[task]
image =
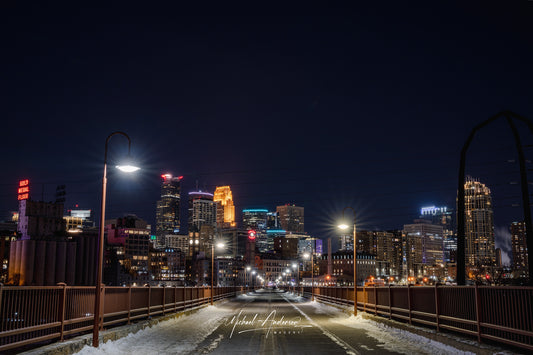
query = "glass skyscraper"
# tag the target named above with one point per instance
(168, 208)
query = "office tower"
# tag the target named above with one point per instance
(438, 215)
(128, 238)
(272, 221)
(309, 245)
(443, 216)
(424, 246)
(168, 208)
(225, 208)
(254, 218)
(519, 262)
(202, 210)
(479, 225)
(78, 220)
(291, 218)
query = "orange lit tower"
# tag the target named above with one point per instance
(225, 208)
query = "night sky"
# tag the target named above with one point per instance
(324, 107)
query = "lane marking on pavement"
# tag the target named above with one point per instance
(349, 349)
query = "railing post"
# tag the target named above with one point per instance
(437, 307)
(129, 304)
(390, 302)
(174, 298)
(478, 313)
(409, 302)
(163, 302)
(375, 300)
(62, 302)
(102, 306)
(149, 298)
(365, 298)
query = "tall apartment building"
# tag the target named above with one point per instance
(202, 211)
(291, 218)
(479, 225)
(444, 217)
(424, 247)
(168, 208)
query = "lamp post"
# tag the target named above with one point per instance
(344, 226)
(248, 268)
(307, 256)
(294, 266)
(98, 289)
(219, 245)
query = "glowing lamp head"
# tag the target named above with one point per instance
(343, 226)
(248, 268)
(127, 168)
(220, 245)
(307, 255)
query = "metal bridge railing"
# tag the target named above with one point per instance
(501, 314)
(30, 315)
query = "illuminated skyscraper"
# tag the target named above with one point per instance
(168, 208)
(202, 210)
(255, 218)
(291, 218)
(479, 226)
(443, 216)
(424, 246)
(225, 208)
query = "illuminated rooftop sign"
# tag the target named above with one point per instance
(24, 190)
(200, 193)
(256, 210)
(251, 234)
(425, 211)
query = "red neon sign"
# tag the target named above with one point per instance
(251, 234)
(23, 197)
(24, 189)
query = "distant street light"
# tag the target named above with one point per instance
(344, 227)
(127, 168)
(220, 246)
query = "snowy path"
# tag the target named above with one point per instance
(271, 323)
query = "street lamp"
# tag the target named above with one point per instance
(253, 280)
(129, 168)
(294, 266)
(344, 227)
(307, 255)
(220, 246)
(248, 268)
